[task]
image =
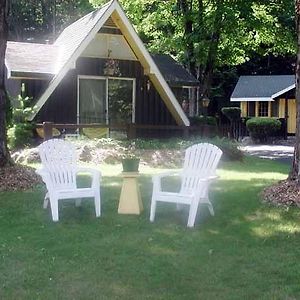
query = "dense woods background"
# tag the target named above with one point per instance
(217, 40)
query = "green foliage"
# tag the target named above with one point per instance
(262, 128)
(232, 113)
(230, 148)
(34, 20)
(203, 120)
(19, 135)
(20, 131)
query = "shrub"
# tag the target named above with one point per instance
(19, 135)
(262, 128)
(203, 120)
(232, 113)
(20, 131)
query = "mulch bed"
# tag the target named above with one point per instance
(18, 177)
(284, 193)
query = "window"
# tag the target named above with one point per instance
(275, 108)
(263, 109)
(106, 100)
(251, 109)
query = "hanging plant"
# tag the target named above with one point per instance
(111, 67)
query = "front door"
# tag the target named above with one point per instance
(291, 123)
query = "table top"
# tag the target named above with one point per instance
(130, 174)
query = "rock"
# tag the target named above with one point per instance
(85, 154)
(32, 156)
(26, 156)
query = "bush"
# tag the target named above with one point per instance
(20, 131)
(232, 113)
(203, 120)
(20, 135)
(261, 129)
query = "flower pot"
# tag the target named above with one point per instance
(130, 164)
(109, 71)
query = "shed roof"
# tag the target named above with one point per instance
(174, 72)
(31, 58)
(262, 87)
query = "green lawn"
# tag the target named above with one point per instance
(249, 250)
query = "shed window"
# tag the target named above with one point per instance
(251, 109)
(274, 108)
(263, 108)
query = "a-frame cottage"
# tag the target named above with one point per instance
(97, 71)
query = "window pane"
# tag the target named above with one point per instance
(92, 101)
(120, 101)
(263, 108)
(251, 109)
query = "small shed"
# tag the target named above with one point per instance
(267, 96)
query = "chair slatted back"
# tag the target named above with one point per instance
(59, 160)
(200, 162)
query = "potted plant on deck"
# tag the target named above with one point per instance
(130, 160)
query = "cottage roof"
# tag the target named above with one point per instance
(174, 73)
(262, 87)
(31, 59)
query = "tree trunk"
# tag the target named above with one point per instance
(206, 78)
(4, 154)
(294, 174)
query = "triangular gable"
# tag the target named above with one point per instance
(77, 37)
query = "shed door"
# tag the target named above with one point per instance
(291, 116)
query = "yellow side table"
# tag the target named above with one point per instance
(130, 198)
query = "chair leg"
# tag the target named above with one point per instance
(152, 210)
(192, 213)
(46, 201)
(210, 208)
(97, 204)
(54, 208)
(78, 202)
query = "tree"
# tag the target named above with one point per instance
(43, 20)
(4, 153)
(294, 174)
(206, 35)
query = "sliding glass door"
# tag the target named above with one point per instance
(106, 100)
(120, 101)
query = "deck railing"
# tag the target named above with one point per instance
(134, 130)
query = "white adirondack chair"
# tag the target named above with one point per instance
(59, 171)
(199, 169)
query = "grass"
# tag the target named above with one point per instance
(248, 250)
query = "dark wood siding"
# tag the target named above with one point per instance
(62, 104)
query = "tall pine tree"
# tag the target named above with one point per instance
(4, 154)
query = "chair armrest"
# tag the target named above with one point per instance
(156, 179)
(45, 177)
(95, 174)
(165, 174)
